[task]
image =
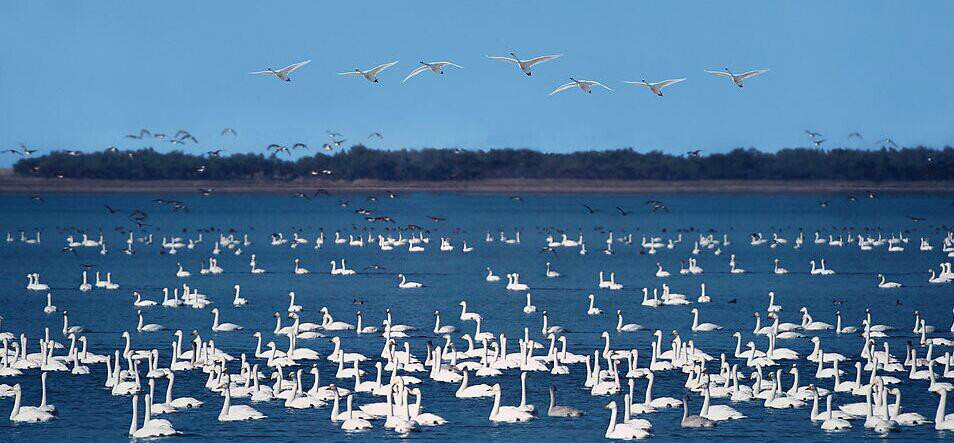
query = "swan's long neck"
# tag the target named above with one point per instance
(496, 409)
(132, 426)
(612, 421)
(938, 417)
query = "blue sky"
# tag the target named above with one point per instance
(83, 74)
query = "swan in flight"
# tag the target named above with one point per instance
(656, 87)
(282, 74)
(435, 67)
(370, 75)
(525, 65)
(584, 85)
(738, 78)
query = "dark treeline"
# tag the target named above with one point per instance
(359, 162)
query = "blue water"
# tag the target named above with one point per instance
(87, 411)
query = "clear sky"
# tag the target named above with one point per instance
(83, 74)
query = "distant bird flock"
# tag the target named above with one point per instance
(524, 65)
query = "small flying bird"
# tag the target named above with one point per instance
(516, 198)
(110, 209)
(437, 219)
(435, 67)
(227, 131)
(27, 151)
(189, 137)
(622, 212)
(134, 136)
(13, 151)
(376, 135)
(656, 87)
(112, 149)
(302, 195)
(916, 219)
(299, 146)
(370, 75)
(37, 198)
(333, 134)
(215, 153)
(328, 146)
(584, 85)
(589, 209)
(739, 78)
(813, 134)
(158, 135)
(525, 65)
(182, 133)
(818, 142)
(660, 207)
(886, 142)
(855, 135)
(824, 203)
(205, 191)
(694, 153)
(282, 74)
(278, 148)
(338, 142)
(73, 153)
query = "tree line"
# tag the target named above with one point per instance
(360, 162)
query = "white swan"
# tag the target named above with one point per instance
(151, 327)
(656, 87)
(593, 310)
(232, 412)
(27, 414)
(282, 74)
(370, 75)
(435, 67)
(222, 327)
(525, 65)
(491, 277)
(51, 308)
(883, 284)
(738, 78)
(702, 327)
(628, 327)
(408, 284)
(583, 85)
(507, 415)
(622, 431)
(150, 427)
(529, 308)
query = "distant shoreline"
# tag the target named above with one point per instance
(12, 184)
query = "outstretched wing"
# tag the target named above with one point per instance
(564, 87)
(506, 59)
(261, 72)
(752, 73)
(596, 83)
(450, 64)
(541, 59)
(377, 69)
(665, 83)
(720, 73)
(643, 84)
(351, 73)
(416, 71)
(288, 69)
